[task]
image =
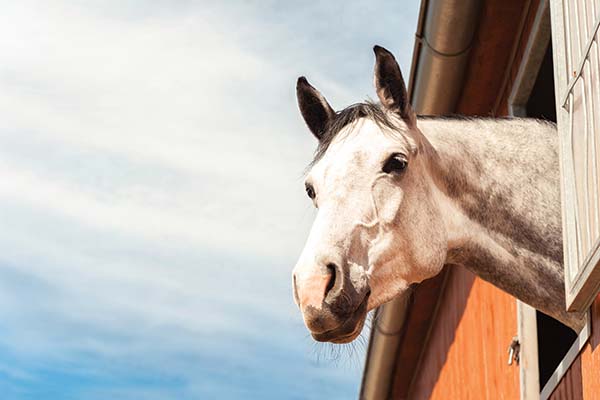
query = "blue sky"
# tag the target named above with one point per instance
(151, 195)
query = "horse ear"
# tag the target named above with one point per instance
(390, 86)
(315, 110)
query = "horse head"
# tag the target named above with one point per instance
(377, 229)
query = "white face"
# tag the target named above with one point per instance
(375, 231)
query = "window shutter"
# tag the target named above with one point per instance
(577, 77)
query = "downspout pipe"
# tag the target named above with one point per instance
(445, 34)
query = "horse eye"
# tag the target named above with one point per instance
(310, 191)
(396, 163)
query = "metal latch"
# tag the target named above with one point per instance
(513, 351)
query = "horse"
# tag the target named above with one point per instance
(399, 196)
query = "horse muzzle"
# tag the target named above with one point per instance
(333, 300)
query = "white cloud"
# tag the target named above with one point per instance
(150, 91)
(151, 161)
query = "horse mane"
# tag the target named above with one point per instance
(384, 119)
(371, 110)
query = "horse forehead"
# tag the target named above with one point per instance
(365, 136)
(353, 149)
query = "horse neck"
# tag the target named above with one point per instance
(499, 183)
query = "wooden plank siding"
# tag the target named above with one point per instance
(582, 380)
(456, 337)
(493, 54)
(466, 356)
(464, 351)
(461, 353)
(416, 326)
(502, 104)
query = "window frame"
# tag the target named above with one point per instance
(582, 268)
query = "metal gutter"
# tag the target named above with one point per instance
(445, 32)
(386, 334)
(441, 54)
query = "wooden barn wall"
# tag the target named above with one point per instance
(466, 355)
(582, 380)
(494, 60)
(502, 100)
(465, 352)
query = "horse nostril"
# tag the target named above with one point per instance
(331, 267)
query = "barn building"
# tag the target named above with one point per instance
(456, 336)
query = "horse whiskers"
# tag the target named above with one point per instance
(350, 354)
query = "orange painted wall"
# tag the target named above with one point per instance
(466, 355)
(582, 380)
